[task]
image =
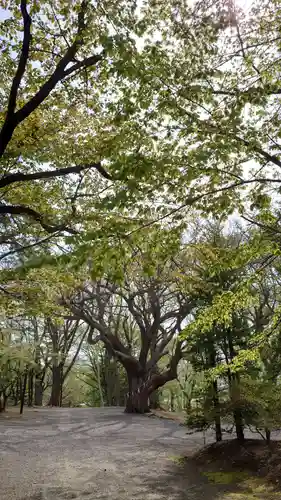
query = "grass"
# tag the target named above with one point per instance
(248, 471)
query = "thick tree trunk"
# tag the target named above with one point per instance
(137, 397)
(56, 385)
(38, 392)
(154, 402)
(141, 388)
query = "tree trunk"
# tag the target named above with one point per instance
(237, 413)
(172, 401)
(3, 401)
(234, 382)
(17, 392)
(154, 402)
(2, 406)
(56, 385)
(23, 392)
(137, 397)
(217, 412)
(38, 392)
(238, 420)
(267, 435)
(216, 401)
(30, 387)
(140, 391)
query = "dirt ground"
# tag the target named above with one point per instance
(94, 454)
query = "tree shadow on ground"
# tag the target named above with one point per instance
(181, 481)
(185, 481)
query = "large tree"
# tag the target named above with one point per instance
(155, 307)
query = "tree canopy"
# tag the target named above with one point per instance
(123, 128)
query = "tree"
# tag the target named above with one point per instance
(152, 304)
(64, 337)
(214, 344)
(16, 361)
(105, 377)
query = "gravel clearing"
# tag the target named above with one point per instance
(97, 453)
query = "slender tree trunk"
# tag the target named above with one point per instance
(234, 382)
(216, 401)
(38, 391)
(268, 435)
(17, 393)
(100, 385)
(2, 405)
(237, 413)
(39, 374)
(56, 385)
(61, 391)
(3, 401)
(217, 412)
(30, 387)
(116, 385)
(23, 392)
(172, 400)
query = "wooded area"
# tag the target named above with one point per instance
(140, 215)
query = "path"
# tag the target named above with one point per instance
(94, 454)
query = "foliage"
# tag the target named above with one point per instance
(115, 118)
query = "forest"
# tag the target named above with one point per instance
(140, 233)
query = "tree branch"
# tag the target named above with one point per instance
(23, 210)
(158, 380)
(85, 63)
(22, 61)
(8, 179)
(70, 366)
(26, 247)
(14, 119)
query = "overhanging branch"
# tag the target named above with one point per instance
(8, 179)
(22, 61)
(13, 119)
(85, 63)
(29, 212)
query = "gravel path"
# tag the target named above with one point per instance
(94, 454)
